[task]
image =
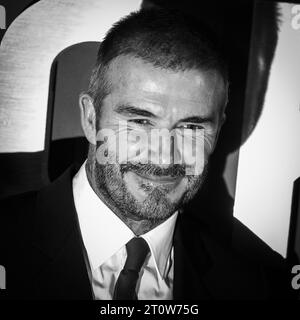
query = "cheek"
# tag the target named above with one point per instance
(106, 147)
(116, 144)
(138, 146)
(196, 152)
(209, 141)
(190, 150)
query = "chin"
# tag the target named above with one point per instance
(158, 205)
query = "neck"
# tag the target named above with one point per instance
(138, 227)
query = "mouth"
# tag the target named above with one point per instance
(159, 180)
(141, 185)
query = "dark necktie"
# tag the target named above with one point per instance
(137, 250)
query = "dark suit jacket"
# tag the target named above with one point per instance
(42, 251)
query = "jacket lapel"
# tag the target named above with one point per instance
(207, 264)
(191, 262)
(57, 235)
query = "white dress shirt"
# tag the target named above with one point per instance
(105, 235)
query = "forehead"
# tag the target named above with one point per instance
(132, 79)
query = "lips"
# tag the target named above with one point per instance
(159, 180)
(141, 185)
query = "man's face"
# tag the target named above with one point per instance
(144, 98)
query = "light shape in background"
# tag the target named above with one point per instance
(2, 278)
(269, 162)
(72, 71)
(2, 17)
(27, 51)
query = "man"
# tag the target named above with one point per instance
(118, 227)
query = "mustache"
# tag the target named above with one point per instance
(175, 170)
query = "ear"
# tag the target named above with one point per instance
(88, 117)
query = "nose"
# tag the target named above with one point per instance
(164, 149)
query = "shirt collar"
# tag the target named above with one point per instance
(99, 227)
(160, 241)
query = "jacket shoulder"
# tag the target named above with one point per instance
(241, 264)
(16, 211)
(275, 271)
(251, 248)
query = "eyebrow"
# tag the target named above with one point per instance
(198, 119)
(128, 110)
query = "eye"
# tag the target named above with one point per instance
(192, 126)
(142, 122)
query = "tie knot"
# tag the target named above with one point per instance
(137, 250)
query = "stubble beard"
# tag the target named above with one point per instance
(156, 207)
